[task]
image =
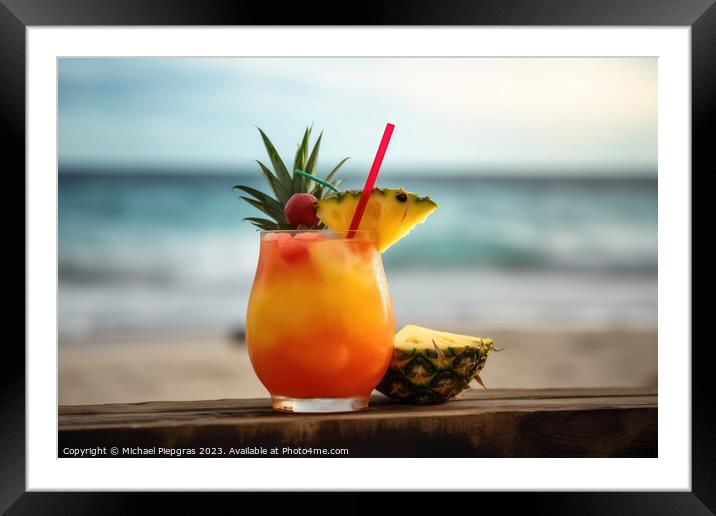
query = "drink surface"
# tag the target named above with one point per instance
(320, 317)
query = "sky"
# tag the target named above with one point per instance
(452, 115)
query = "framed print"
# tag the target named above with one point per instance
(302, 257)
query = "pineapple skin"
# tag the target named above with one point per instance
(420, 375)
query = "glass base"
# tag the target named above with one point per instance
(286, 404)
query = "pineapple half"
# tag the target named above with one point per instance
(431, 366)
(391, 213)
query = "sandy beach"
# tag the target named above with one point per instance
(213, 367)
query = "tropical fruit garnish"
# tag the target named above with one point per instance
(391, 213)
(431, 366)
(285, 185)
(300, 210)
(300, 200)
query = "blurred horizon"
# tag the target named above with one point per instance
(146, 253)
(354, 175)
(545, 171)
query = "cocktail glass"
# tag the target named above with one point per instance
(320, 323)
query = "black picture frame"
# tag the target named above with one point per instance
(17, 15)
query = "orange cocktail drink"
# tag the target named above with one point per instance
(320, 322)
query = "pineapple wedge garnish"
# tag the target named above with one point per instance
(391, 213)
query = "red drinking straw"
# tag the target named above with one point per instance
(370, 182)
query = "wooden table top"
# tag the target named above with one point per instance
(608, 422)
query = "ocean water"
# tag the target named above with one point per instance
(153, 253)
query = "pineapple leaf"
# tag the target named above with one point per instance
(318, 189)
(277, 216)
(283, 183)
(269, 205)
(278, 166)
(281, 193)
(267, 225)
(257, 194)
(337, 184)
(312, 162)
(264, 224)
(335, 169)
(259, 220)
(299, 183)
(302, 153)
